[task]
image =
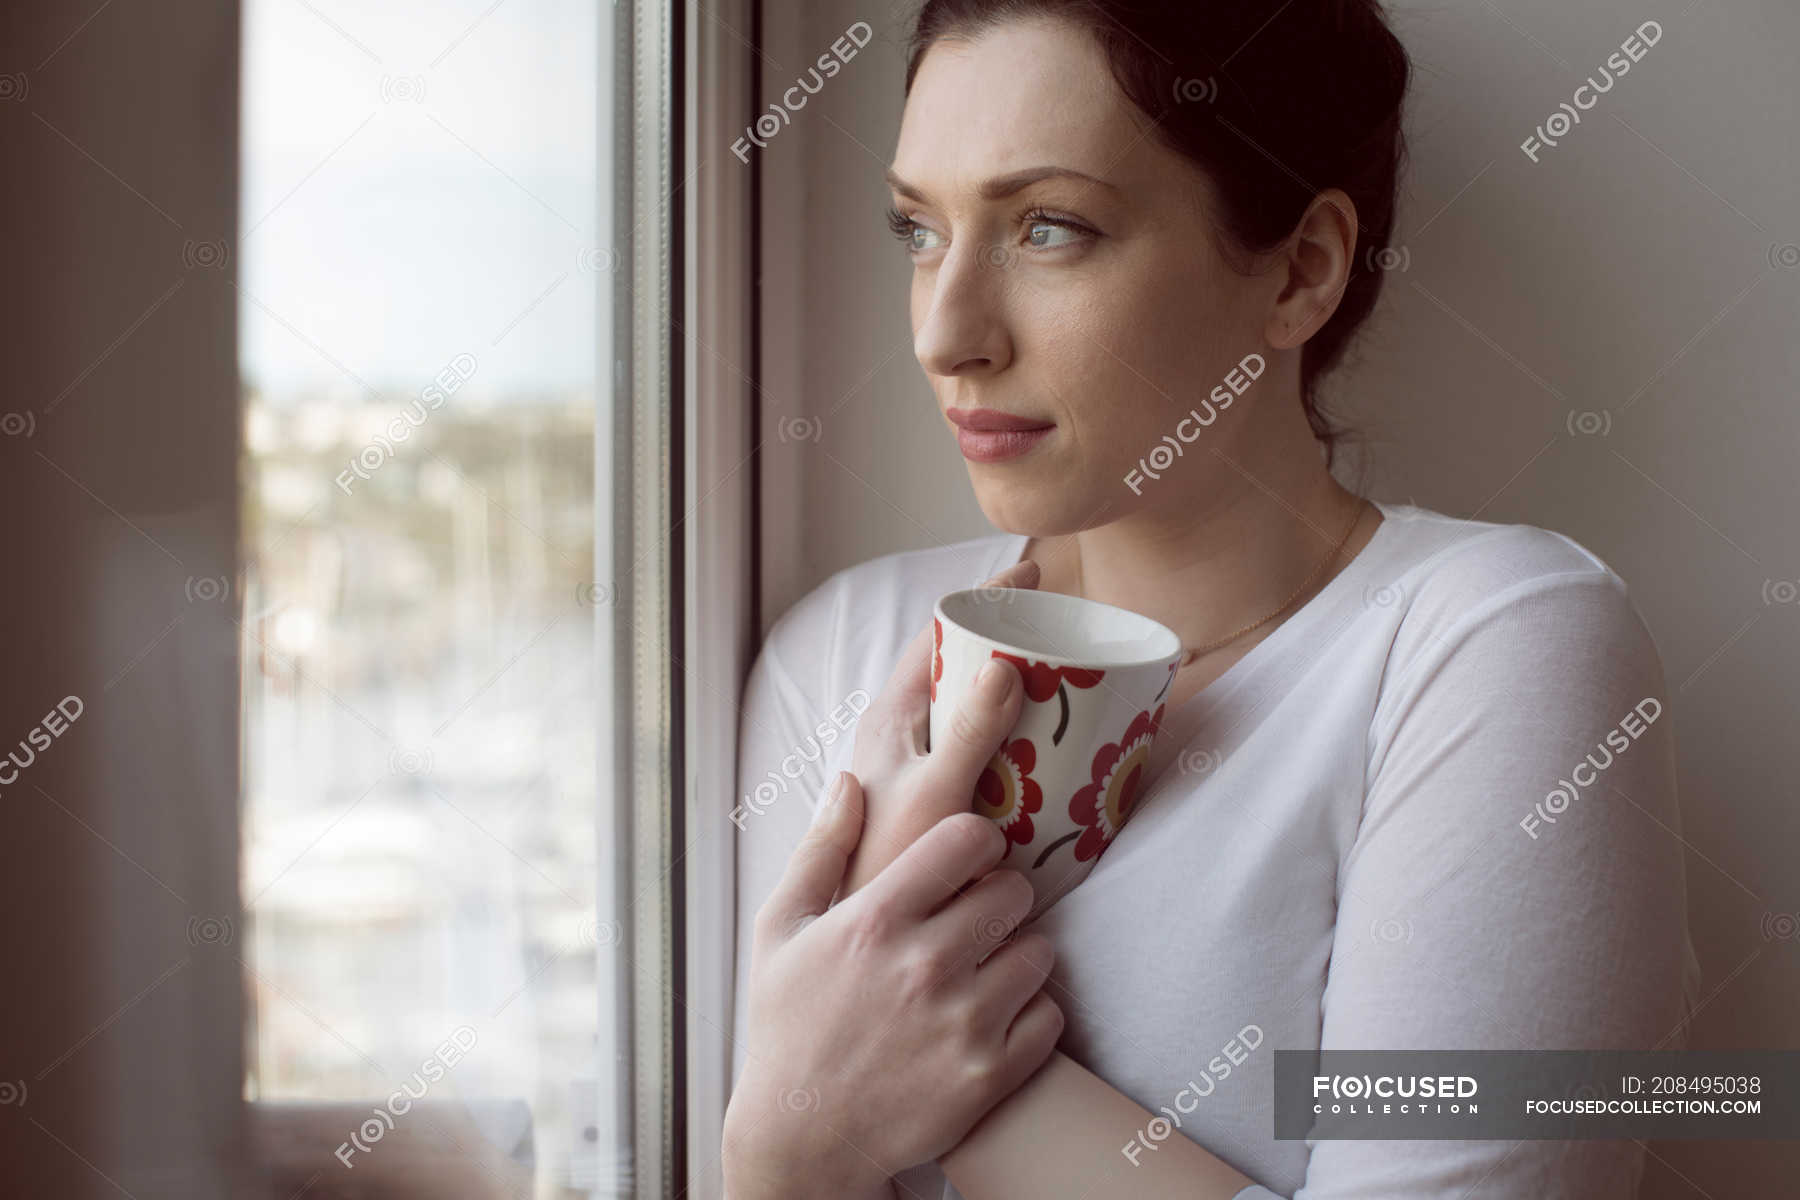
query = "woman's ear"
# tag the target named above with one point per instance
(1319, 257)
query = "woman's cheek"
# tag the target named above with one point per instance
(1104, 448)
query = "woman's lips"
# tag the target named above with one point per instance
(999, 444)
(989, 435)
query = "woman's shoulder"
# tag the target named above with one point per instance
(1534, 599)
(1448, 569)
(859, 617)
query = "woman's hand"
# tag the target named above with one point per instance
(906, 790)
(877, 1035)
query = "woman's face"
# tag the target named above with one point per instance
(1100, 307)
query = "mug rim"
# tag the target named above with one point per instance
(1154, 628)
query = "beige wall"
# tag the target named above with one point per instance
(1634, 272)
(122, 1006)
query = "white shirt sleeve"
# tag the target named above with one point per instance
(780, 773)
(1459, 928)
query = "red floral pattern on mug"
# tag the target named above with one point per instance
(937, 656)
(1118, 772)
(1006, 793)
(1042, 679)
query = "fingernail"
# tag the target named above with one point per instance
(839, 784)
(995, 681)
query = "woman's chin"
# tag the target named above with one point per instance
(1039, 511)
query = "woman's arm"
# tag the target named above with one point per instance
(1465, 919)
(778, 787)
(1474, 913)
(863, 1057)
(1063, 1136)
(873, 989)
(891, 767)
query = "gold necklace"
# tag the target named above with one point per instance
(1196, 651)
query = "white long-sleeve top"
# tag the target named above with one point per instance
(1348, 841)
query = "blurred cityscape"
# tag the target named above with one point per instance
(418, 727)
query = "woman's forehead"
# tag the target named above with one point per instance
(1019, 95)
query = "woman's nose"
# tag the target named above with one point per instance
(963, 330)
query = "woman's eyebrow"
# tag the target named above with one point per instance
(1002, 185)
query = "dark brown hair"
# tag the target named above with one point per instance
(1276, 101)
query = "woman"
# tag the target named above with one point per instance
(1135, 226)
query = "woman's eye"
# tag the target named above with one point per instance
(1039, 233)
(907, 230)
(1042, 232)
(919, 238)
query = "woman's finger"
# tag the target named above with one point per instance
(1022, 574)
(816, 867)
(961, 847)
(977, 729)
(904, 705)
(1033, 1036)
(987, 912)
(1011, 976)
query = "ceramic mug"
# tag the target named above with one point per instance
(1096, 681)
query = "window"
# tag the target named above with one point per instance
(383, 458)
(424, 307)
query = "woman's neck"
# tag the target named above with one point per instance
(1208, 573)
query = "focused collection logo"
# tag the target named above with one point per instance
(1408, 1095)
